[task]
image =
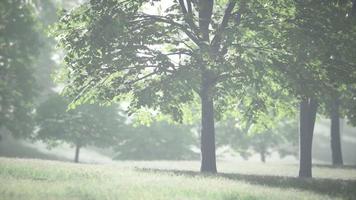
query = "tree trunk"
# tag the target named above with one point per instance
(263, 156)
(336, 152)
(208, 162)
(308, 108)
(77, 150)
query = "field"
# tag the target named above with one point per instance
(26, 179)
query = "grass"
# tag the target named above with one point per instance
(53, 180)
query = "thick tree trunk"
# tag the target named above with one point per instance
(77, 150)
(308, 108)
(205, 13)
(208, 162)
(336, 152)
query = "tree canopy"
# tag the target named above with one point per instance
(19, 46)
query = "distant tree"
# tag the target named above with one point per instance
(19, 46)
(282, 139)
(46, 64)
(158, 141)
(86, 125)
(264, 143)
(261, 139)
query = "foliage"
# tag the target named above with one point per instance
(158, 141)
(46, 62)
(319, 42)
(19, 47)
(86, 125)
(116, 48)
(280, 136)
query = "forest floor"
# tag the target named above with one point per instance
(28, 179)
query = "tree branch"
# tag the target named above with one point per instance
(215, 43)
(182, 6)
(139, 79)
(188, 16)
(183, 28)
(205, 13)
(190, 10)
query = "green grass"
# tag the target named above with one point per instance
(51, 180)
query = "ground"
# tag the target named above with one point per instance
(26, 179)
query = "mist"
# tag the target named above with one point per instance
(180, 99)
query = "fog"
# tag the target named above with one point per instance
(10, 147)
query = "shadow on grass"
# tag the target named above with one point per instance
(335, 166)
(345, 189)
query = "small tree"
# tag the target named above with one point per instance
(86, 125)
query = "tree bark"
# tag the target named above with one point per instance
(208, 162)
(336, 152)
(263, 156)
(205, 13)
(308, 108)
(77, 150)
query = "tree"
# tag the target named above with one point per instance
(310, 70)
(333, 107)
(338, 95)
(192, 50)
(86, 125)
(19, 47)
(336, 153)
(262, 138)
(158, 141)
(343, 59)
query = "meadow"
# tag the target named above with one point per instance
(31, 179)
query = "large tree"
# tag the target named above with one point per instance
(19, 46)
(319, 42)
(207, 50)
(342, 57)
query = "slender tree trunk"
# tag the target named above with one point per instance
(77, 150)
(308, 108)
(263, 156)
(336, 152)
(208, 162)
